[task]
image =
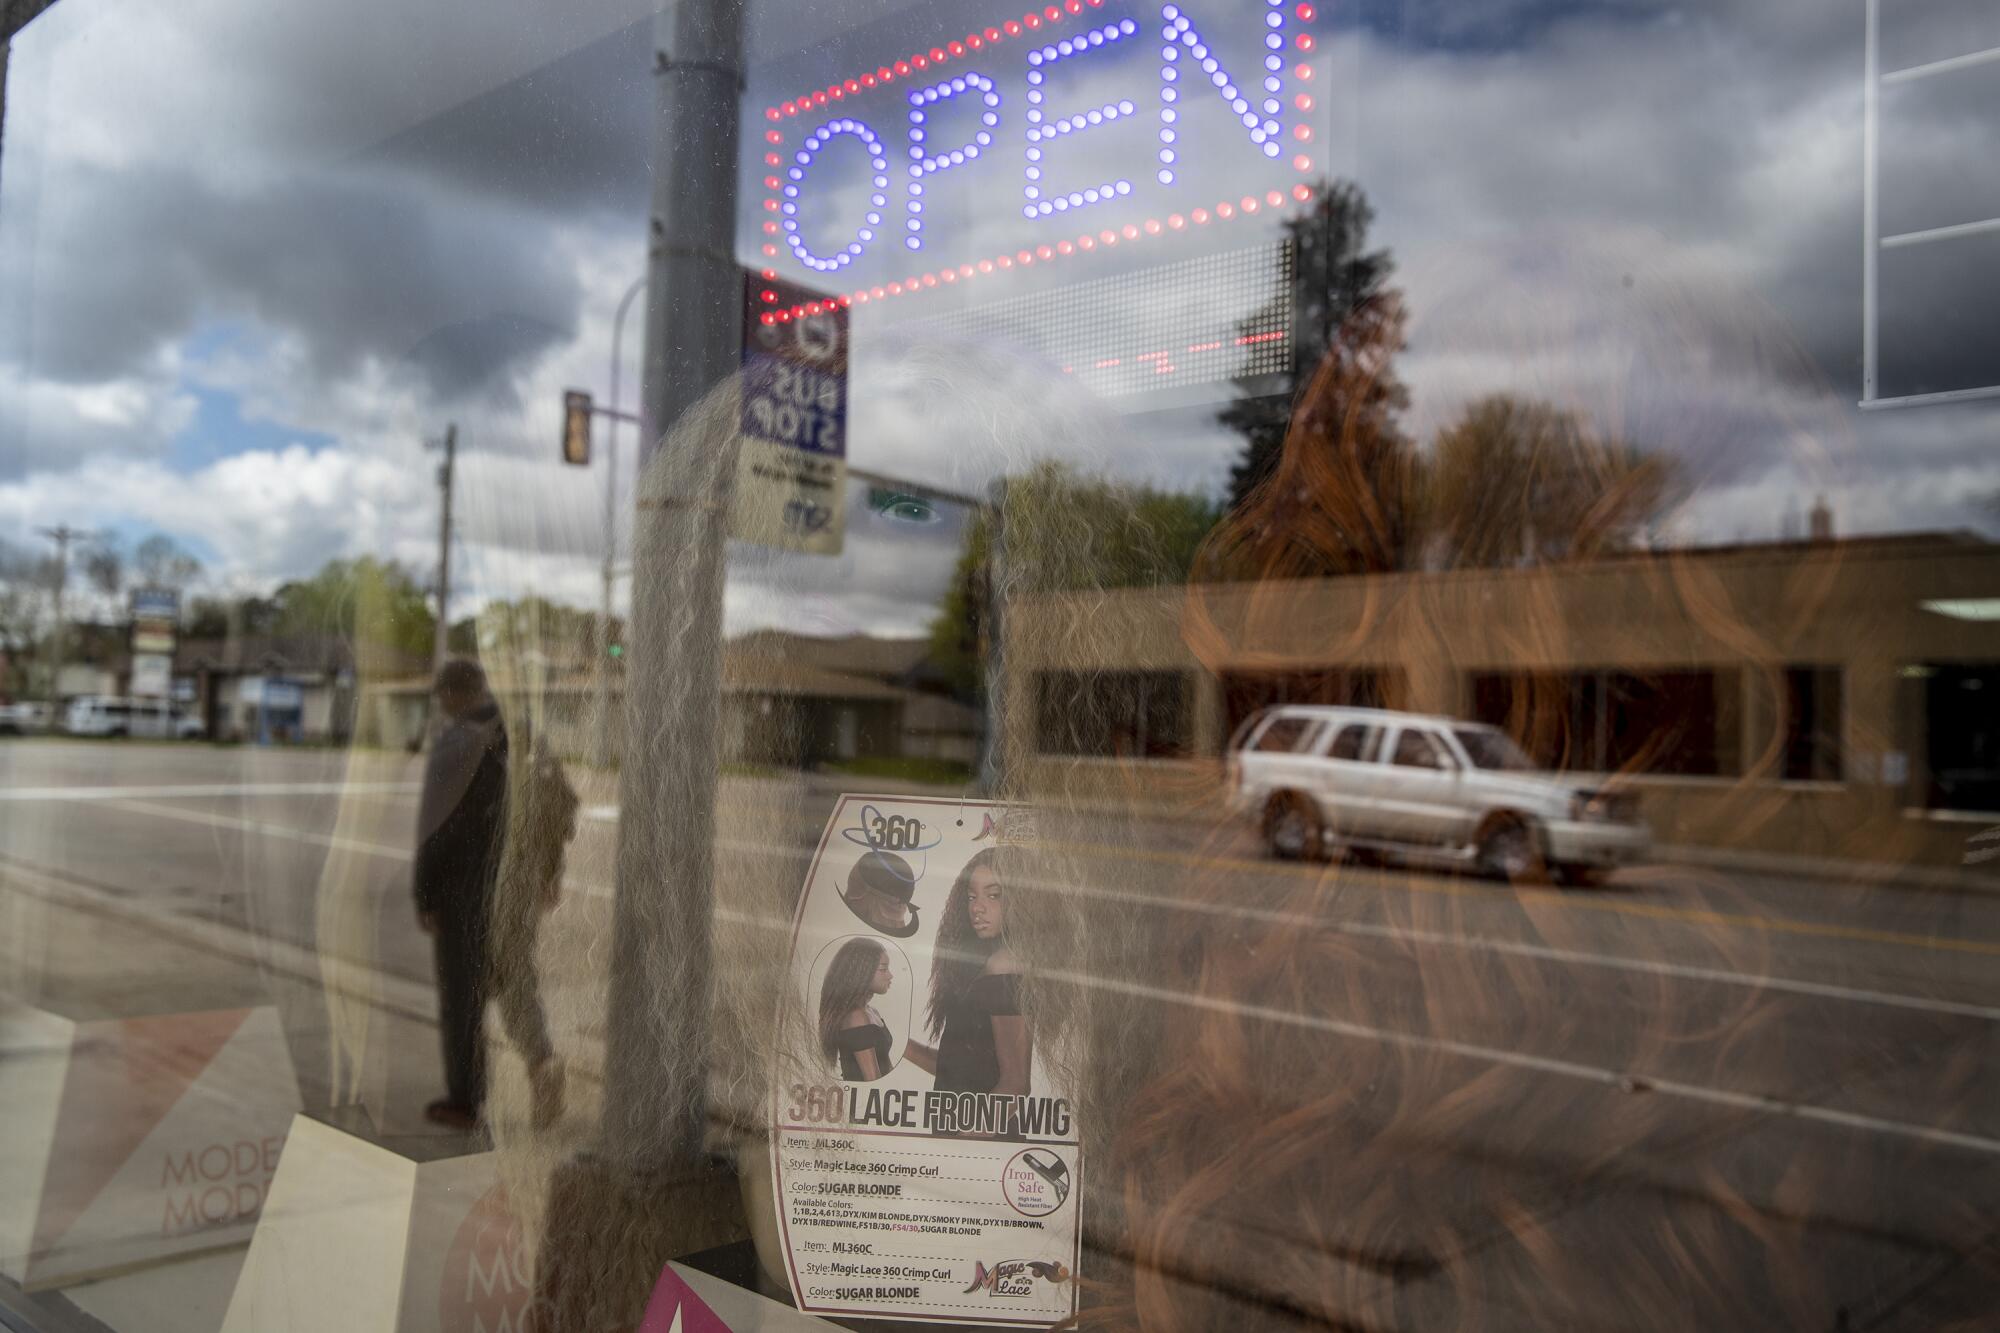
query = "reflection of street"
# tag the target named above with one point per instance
(151, 874)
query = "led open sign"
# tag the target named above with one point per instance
(995, 114)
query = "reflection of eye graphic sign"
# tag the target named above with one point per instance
(902, 507)
(1088, 131)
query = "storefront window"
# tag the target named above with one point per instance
(686, 664)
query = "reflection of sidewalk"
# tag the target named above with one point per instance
(84, 954)
(142, 959)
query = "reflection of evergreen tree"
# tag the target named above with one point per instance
(1348, 489)
(1341, 300)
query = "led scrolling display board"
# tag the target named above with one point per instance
(986, 71)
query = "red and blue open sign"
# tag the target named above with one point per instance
(906, 145)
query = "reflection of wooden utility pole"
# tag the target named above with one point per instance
(440, 646)
(62, 535)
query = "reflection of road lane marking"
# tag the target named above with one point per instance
(1550, 898)
(1512, 1059)
(1379, 881)
(1480, 943)
(210, 819)
(1524, 949)
(205, 789)
(1614, 1078)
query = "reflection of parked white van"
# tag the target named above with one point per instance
(155, 719)
(24, 719)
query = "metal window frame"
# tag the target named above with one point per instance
(1872, 240)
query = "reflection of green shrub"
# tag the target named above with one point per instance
(941, 772)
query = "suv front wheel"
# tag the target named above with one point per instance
(1510, 850)
(1292, 828)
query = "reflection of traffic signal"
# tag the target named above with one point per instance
(617, 650)
(576, 427)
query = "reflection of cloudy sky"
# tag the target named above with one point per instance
(252, 254)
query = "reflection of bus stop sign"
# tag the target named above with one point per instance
(792, 470)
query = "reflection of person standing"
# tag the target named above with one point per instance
(460, 821)
(850, 1031)
(975, 1008)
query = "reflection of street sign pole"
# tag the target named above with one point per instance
(577, 411)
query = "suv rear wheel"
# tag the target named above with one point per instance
(1510, 850)
(1292, 828)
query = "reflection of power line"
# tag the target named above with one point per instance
(1873, 243)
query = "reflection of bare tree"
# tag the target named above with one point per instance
(162, 562)
(1515, 482)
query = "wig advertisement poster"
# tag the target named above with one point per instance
(926, 1163)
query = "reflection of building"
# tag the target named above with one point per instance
(796, 700)
(270, 689)
(789, 700)
(1821, 698)
(258, 688)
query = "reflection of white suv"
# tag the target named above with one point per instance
(1427, 789)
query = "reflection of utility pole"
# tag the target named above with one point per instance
(62, 535)
(660, 967)
(440, 647)
(601, 750)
